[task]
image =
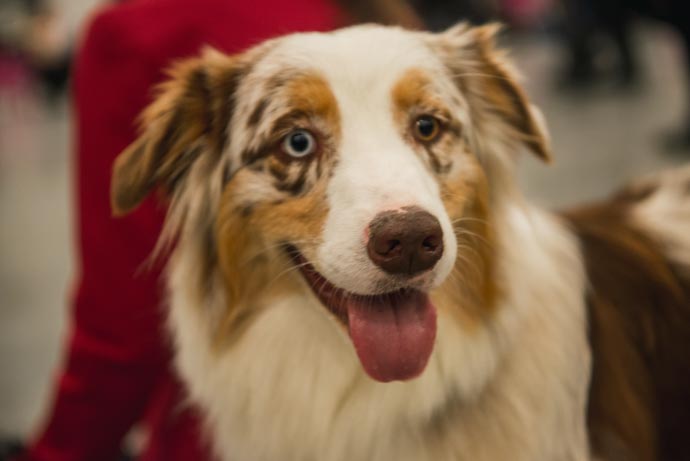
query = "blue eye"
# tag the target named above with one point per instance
(299, 144)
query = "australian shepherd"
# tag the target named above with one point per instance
(356, 275)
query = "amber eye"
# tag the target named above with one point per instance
(426, 128)
(299, 144)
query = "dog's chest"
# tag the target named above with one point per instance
(293, 389)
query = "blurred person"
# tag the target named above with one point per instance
(521, 14)
(584, 21)
(587, 21)
(33, 35)
(117, 370)
(526, 14)
(9, 449)
(389, 12)
(441, 14)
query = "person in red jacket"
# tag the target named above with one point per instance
(117, 371)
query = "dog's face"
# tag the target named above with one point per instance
(352, 156)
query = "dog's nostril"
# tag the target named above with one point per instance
(392, 246)
(405, 242)
(385, 247)
(430, 243)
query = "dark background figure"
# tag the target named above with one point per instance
(585, 24)
(441, 14)
(590, 25)
(33, 38)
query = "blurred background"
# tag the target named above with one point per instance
(611, 77)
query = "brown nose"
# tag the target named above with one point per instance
(406, 241)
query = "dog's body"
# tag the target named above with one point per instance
(635, 248)
(286, 167)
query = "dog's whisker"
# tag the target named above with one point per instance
(480, 74)
(283, 273)
(470, 249)
(469, 264)
(278, 245)
(470, 219)
(462, 233)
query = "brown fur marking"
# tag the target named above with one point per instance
(639, 309)
(410, 92)
(312, 95)
(242, 239)
(505, 95)
(225, 82)
(471, 291)
(186, 120)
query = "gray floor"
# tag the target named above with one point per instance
(600, 139)
(36, 261)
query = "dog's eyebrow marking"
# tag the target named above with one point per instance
(288, 84)
(411, 90)
(311, 94)
(414, 91)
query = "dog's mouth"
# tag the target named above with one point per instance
(393, 333)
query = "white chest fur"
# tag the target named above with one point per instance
(292, 388)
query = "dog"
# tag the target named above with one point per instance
(356, 275)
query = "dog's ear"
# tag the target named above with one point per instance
(188, 118)
(485, 76)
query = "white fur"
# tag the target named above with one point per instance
(292, 388)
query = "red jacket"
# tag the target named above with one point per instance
(118, 364)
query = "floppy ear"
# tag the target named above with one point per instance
(485, 76)
(188, 118)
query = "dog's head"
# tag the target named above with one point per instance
(359, 157)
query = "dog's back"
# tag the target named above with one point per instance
(636, 249)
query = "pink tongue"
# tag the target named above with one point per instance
(393, 334)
